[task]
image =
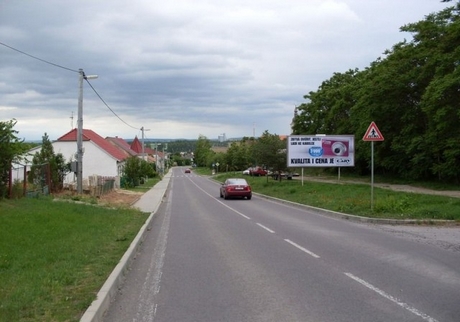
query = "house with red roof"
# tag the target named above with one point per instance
(147, 153)
(123, 145)
(101, 157)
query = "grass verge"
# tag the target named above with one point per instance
(55, 256)
(355, 199)
(144, 187)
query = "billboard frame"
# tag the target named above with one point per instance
(320, 150)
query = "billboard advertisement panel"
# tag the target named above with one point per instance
(321, 151)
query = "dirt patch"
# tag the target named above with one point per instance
(116, 198)
(119, 198)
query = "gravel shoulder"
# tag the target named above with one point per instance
(445, 237)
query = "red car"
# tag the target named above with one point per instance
(235, 187)
(257, 172)
(187, 171)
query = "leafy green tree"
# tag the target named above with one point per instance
(11, 149)
(413, 95)
(203, 152)
(271, 151)
(136, 169)
(132, 171)
(47, 164)
(147, 169)
(219, 161)
(438, 38)
(238, 155)
(328, 109)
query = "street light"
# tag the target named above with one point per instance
(80, 130)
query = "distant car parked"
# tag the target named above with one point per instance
(247, 171)
(258, 171)
(235, 187)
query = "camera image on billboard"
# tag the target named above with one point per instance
(335, 148)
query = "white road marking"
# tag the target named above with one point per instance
(239, 213)
(357, 279)
(391, 298)
(266, 228)
(302, 249)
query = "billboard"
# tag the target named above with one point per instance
(321, 151)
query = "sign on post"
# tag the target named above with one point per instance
(373, 133)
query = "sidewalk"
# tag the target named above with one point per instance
(149, 202)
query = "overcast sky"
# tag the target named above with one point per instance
(184, 68)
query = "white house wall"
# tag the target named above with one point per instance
(95, 160)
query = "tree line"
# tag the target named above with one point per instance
(267, 151)
(412, 93)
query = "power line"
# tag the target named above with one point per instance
(72, 70)
(34, 57)
(109, 106)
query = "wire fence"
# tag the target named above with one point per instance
(18, 185)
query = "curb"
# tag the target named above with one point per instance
(355, 218)
(100, 305)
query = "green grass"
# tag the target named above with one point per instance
(144, 187)
(355, 199)
(55, 256)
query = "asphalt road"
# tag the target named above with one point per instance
(209, 259)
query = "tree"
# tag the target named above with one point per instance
(135, 169)
(438, 37)
(203, 151)
(328, 109)
(238, 155)
(271, 151)
(11, 148)
(46, 160)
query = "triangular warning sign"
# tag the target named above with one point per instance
(373, 133)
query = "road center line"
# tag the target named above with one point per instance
(266, 228)
(302, 249)
(391, 298)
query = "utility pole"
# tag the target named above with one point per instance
(80, 130)
(143, 153)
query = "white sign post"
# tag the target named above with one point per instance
(372, 134)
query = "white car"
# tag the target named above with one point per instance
(247, 171)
